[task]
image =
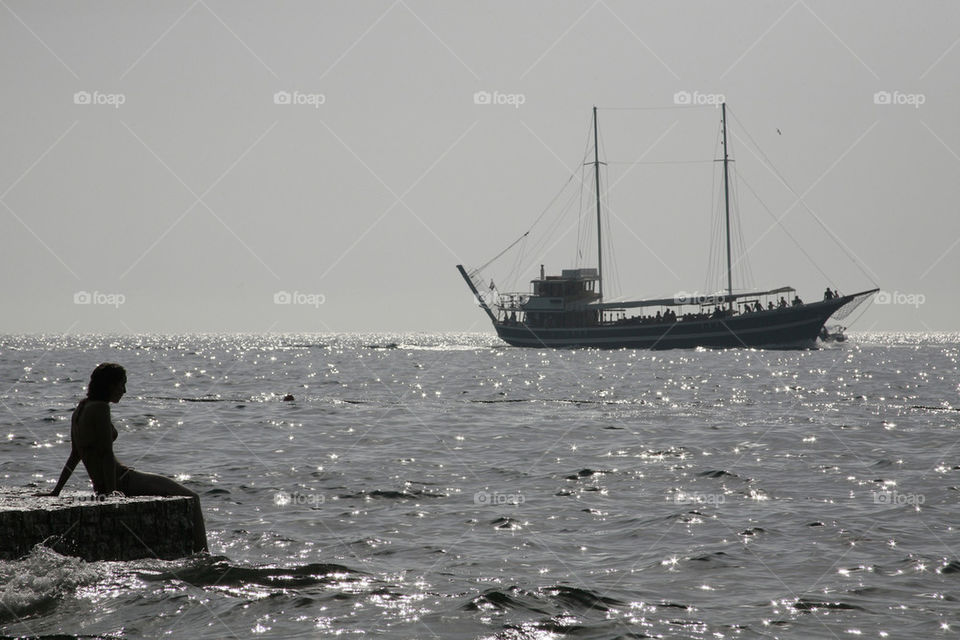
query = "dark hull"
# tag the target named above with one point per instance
(791, 328)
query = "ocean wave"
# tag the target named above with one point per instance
(219, 571)
(36, 583)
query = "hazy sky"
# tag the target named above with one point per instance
(176, 165)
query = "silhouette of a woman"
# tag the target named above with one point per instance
(91, 440)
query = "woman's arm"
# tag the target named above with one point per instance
(67, 471)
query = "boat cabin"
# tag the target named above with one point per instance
(557, 301)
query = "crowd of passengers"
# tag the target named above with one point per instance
(718, 312)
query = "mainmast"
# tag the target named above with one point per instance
(596, 167)
(726, 198)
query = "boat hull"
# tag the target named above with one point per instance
(794, 327)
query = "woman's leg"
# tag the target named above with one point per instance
(138, 483)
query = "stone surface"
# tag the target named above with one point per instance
(80, 524)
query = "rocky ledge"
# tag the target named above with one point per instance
(92, 528)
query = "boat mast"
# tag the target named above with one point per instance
(596, 167)
(726, 198)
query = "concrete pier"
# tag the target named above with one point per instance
(79, 524)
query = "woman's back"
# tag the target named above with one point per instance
(92, 435)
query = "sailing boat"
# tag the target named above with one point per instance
(568, 310)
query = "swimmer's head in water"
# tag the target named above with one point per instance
(107, 382)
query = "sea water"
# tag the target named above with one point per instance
(448, 486)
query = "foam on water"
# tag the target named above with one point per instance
(36, 583)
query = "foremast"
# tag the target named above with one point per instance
(596, 169)
(726, 200)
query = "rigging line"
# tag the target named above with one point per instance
(535, 222)
(716, 240)
(514, 272)
(833, 236)
(578, 249)
(550, 248)
(496, 257)
(581, 233)
(663, 108)
(785, 230)
(541, 240)
(854, 321)
(666, 162)
(745, 270)
(605, 199)
(536, 248)
(714, 217)
(609, 245)
(617, 289)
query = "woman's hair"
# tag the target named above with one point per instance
(103, 378)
